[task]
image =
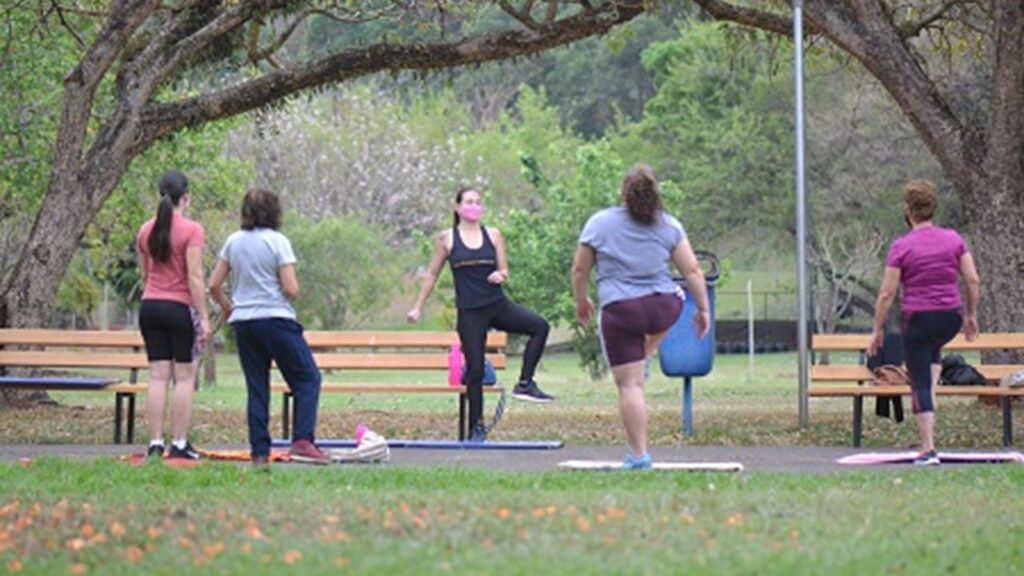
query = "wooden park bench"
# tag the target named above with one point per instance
(44, 352)
(833, 380)
(339, 353)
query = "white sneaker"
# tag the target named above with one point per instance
(1015, 380)
(372, 448)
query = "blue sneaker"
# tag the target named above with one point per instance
(637, 462)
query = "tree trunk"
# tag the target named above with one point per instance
(996, 241)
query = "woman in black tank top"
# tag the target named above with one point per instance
(477, 258)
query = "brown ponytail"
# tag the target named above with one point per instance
(641, 194)
(173, 185)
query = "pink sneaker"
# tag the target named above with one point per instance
(305, 451)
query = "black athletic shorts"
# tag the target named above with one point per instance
(167, 329)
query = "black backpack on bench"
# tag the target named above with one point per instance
(957, 372)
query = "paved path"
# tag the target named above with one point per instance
(786, 459)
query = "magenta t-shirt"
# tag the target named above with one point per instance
(169, 280)
(929, 263)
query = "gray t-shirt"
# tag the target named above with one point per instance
(255, 256)
(632, 258)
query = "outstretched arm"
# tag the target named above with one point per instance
(430, 277)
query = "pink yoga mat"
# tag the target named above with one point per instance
(870, 458)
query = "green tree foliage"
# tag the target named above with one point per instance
(346, 269)
(541, 242)
(720, 125)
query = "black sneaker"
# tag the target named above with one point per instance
(155, 451)
(527, 390)
(930, 458)
(188, 452)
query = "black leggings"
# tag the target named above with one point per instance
(924, 335)
(473, 324)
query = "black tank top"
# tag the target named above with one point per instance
(470, 269)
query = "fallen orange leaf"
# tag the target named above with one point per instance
(292, 556)
(134, 553)
(213, 549)
(78, 569)
(14, 566)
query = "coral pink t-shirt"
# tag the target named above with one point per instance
(169, 280)
(929, 263)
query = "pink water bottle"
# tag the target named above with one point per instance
(455, 365)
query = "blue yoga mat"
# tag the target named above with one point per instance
(55, 383)
(441, 444)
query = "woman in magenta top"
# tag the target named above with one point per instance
(170, 248)
(928, 261)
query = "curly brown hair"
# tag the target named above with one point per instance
(920, 200)
(261, 209)
(641, 194)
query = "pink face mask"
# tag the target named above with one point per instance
(471, 212)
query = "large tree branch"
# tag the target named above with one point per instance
(81, 84)
(913, 28)
(767, 21)
(163, 119)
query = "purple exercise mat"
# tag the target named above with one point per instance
(870, 458)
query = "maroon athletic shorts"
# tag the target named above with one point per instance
(626, 323)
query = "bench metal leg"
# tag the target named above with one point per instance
(131, 418)
(117, 417)
(286, 413)
(858, 419)
(687, 406)
(462, 417)
(1007, 421)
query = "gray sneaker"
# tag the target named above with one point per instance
(528, 391)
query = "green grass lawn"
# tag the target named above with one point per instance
(107, 517)
(732, 405)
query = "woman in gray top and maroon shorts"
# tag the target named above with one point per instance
(631, 246)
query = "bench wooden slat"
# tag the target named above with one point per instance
(860, 373)
(396, 361)
(391, 339)
(66, 359)
(90, 338)
(859, 342)
(388, 388)
(847, 391)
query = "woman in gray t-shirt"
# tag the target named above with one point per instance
(631, 246)
(260, 264)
